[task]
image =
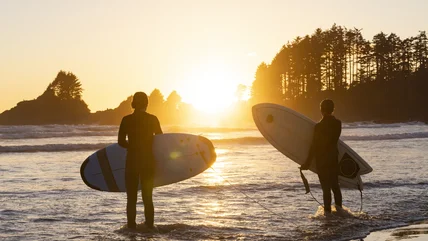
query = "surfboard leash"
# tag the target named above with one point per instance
(308, 190)
(361, 195)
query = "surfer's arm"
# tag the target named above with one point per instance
(158, 129)
(121, 139)
(339, 130)
(311, 153)
(308, 161)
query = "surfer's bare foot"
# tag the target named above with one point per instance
(327, 211)
(132, 225)
(151, 226)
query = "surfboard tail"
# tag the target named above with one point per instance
(82, 175)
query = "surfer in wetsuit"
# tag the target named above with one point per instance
(324, 149)
(139, 127)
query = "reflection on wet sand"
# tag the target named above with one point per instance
(415, 232)
(406, 233)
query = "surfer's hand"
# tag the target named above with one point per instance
(305, 166)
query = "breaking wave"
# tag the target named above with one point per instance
(58, 131)
(373, 125)
(242, 141)
(262, 140)
(40, 135)
(231, 141)
(55, 131)
(397, 136)
(52, 147)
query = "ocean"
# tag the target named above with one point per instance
(252, 192)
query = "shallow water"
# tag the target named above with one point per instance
(253, 192)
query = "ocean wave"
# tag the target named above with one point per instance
(41, 135)
(243, 141)
(96, 146)
(369, 126)
(55, 131)
(230, 141)
(55, 128)
(398, 136)
(64, 131)
(373, 125)
(393, 184)
(209, 129)
(52, 147)
(59, 131)
(262, 140)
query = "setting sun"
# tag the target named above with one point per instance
(211, 87)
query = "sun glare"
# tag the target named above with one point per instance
(211, 88)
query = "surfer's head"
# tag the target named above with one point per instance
(140, 100)
(327, 107)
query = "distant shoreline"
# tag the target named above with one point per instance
(247, 125)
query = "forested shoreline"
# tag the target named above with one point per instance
(383, 80)
(62, 103)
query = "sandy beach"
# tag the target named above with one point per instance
(414, 232)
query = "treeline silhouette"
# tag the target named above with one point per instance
(62, 103)
(171, 111)
(383, 80)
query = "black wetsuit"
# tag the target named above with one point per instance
(140, 127)
(324, 149)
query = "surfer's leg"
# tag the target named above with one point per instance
(147, 193)
(336, 191)
(131, 182)
(326, 191)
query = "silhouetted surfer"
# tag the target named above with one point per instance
(139, 127)
(324, 149)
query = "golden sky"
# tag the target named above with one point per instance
(203, 49)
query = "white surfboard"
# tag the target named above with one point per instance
(291, 134)
(178, 157)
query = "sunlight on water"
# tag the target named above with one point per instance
(213, 179)
(210, 208)
(213, 176)
(221, 151)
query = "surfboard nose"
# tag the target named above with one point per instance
(210, 157)
(255, 108)
(260, 114)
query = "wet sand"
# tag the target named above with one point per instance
(414, 232)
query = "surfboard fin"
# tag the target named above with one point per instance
(305, 182)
